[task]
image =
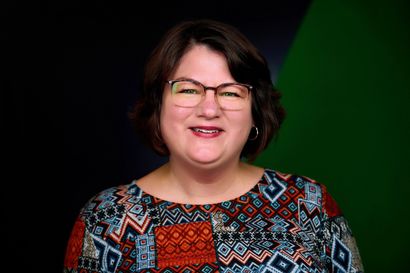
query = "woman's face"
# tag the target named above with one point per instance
(204, 134)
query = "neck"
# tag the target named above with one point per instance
(201, 185)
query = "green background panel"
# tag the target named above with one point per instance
(345, 86)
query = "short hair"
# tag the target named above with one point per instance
(246, 65)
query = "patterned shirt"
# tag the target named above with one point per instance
(284, 224)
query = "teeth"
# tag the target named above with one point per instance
(205, 131)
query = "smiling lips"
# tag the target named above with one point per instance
(206, 131)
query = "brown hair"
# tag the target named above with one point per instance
(245, 63)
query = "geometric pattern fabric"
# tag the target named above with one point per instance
(284, 224)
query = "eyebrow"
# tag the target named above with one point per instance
(185, 78)
(191, 79)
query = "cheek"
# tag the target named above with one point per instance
(246, 118)
(240, 125)
(172, 118)
(247, 122)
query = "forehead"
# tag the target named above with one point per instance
(203, 64)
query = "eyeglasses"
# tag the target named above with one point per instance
(189, 93)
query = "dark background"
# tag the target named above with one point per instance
(71, 73)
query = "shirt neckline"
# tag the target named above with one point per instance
(251, 193)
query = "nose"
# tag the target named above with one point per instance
(209, 106)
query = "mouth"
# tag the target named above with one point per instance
(206, 131)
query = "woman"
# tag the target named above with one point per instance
(209, 103)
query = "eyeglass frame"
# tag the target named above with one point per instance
(215, 88)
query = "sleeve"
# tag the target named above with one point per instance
(89, 250)
(83, 252)
(81, 255)
(340, 251)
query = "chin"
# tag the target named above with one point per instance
(205, 160)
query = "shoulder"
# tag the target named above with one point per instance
(111, 202)
(289, 180)
(302, 189)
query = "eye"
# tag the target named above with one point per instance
(189, 91)
(229, 94)
(232, 91)
(186, 88)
